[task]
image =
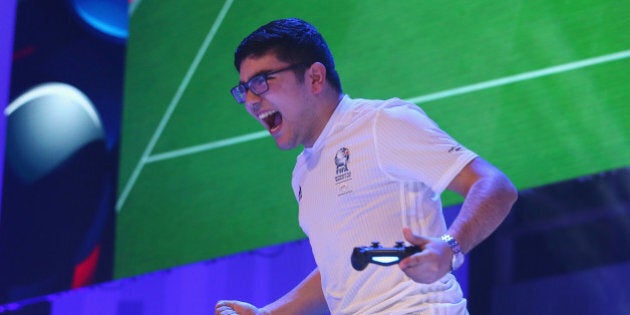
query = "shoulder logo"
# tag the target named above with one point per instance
(300, 194)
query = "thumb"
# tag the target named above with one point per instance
(414, 239)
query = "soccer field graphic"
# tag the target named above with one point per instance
(541, 89)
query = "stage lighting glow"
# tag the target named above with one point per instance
(108, 17)
(46, 125)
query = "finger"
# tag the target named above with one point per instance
(221, 304)
(413, 238)
(413, 260)
(407, 263)
(224, 308)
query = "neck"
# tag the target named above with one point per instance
(327, 108)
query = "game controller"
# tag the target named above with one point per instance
(377, 254)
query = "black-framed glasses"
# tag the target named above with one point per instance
(257, 84)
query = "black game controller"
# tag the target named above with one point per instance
(377, 254)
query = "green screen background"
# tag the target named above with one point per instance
(539, 88)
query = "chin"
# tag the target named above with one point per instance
(283, 145)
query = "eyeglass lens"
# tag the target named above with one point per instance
(257, 85)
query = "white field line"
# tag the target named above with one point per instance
(419, 99)
(522, 77)
(207, 146)
(173, 104)
(133, 6)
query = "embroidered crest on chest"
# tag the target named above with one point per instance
(343, 176)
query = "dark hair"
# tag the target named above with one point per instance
(293, 41)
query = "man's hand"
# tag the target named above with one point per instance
(429, 265)
(236, 308)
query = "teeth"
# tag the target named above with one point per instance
(266, 114)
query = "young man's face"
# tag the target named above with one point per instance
(286, 109)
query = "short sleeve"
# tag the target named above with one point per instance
(411, 147)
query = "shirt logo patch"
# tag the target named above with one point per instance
(341, 160)
(343, 176)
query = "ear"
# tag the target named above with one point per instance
(316, 77)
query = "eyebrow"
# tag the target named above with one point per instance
(255, 75)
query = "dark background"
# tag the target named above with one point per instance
(56, 233)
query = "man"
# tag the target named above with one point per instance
(370, 170)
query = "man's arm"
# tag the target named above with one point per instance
(488, 198)
(306, 298)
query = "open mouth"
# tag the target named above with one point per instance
(272, 119)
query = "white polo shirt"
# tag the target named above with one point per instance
(376, 167)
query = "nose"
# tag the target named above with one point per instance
(252, 100)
